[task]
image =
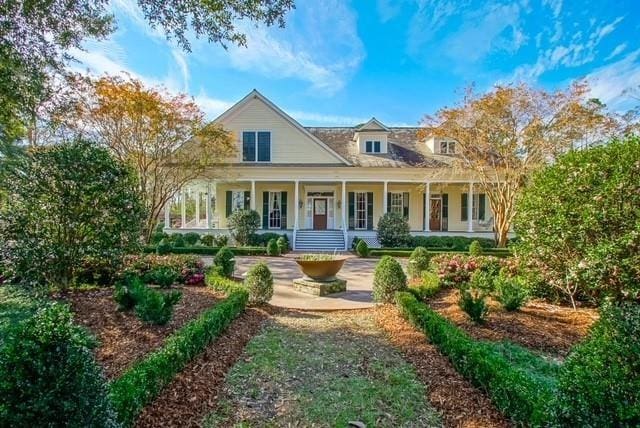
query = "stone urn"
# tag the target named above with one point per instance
(320, 275)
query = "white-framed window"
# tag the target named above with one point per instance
(448, 147)
(256, 146)
(397, 203)
(372, 146)
(237, 200)
(275, 213)
(361, 210)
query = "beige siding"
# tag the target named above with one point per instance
(288, 143)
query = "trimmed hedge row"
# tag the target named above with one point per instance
(143, 382)
(211, 251)
(521, 384)
(394, 252)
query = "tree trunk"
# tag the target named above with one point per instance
(502, 226)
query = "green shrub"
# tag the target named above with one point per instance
(262, 239)
(207, 240)
(155, 307)
(450, 243)
(128, 293)
(97, 270)
(388, 278)
(164, 247)
(159, 227)
(599, 383)
(140, 384)
(429, 286)
(272, 248)
(220, 240)
(176, 235)
(225, 260)
(475, 249)
(418, 262)
(49, 376)
(156, 237)
(259, 283)
(191, 238)
(511, 292)
(578, 220)
(243, 224)
(354, 243)
(178, 241)
(473, 302)
(163, 276)
(520, 383)
(283, 245)
(362, 249)
(393, 230)
(481, 280)
(190, 269)
(211, 251)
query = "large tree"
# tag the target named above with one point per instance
(509, 132)
(36, 37)
(164, 137)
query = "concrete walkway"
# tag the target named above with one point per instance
(358, 273)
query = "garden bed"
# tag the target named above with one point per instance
(539, 326)
(123, 338)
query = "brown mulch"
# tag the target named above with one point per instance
(540, 326)
(194, 392)
(123, 338)
(457, 400)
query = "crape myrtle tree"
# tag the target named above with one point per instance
(66, 204)
(163, 137)
(579, 222)
(506, 134)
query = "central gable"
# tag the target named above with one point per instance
(258, 124)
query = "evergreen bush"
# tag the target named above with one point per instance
(388, 278)
(259, 283)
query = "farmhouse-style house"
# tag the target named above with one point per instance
(323, 186)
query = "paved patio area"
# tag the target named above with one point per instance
(358, 273)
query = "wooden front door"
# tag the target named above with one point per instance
(435, 214)
(319, 214)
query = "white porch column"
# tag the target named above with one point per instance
(252, 204)
(209, 211)
(384, 198)
(183, 208)
(197, 208)
(344, 212)
(167, 214)
(470, 208)
(296, 215)
(427, 206)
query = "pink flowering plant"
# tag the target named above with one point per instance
(190, 269)
(455, 270)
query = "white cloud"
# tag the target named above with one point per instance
(616, 51)
(554, 5)
(609, 83)
(307, 118)
(181, 62)
(388, 9)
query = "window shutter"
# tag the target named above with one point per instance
(247, 200)
(424, 211)
(463, 207)
(388, 202)
(283, 210)
(249, 146)
(264, 146)
(352, 210)
(481, 206)
(228, 197)
(405, 205)
(265, 210)
(369, 210)
(445, 212)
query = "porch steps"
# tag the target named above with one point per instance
(319, 240)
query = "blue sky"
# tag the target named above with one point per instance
(340, 62)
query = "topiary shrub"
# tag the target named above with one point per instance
(388, 278)
(178, 241)
(162, 276)
(511, 292)
(191, 238)
(272, 248)
(49, 376)
(220, 240)
(224, 259)
(599, 383)
(362, 249)
(418, 262)
(207, 240)
(283, 244)
(393, 231)
(155, 307)
(164, 247)
(157, 237)
(475, 249)
(578, 222)
(259, 283)
(243, 224)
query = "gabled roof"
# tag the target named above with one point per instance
(254, 94)
(372, 125)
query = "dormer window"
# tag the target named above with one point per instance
(448, 147)
(372, 146)
(256, 146)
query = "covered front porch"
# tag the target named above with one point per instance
(352, 207)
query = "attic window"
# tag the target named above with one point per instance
(372, 147)
(448, 147)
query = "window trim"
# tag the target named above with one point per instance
(271, 210)
(399, 197)
(256, 148)
(370, 146)
(356, 210)
(449, 147)
(233, 199)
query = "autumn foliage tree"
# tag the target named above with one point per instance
(164, 137)
(513, 130)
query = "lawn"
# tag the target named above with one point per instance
(323, 369)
